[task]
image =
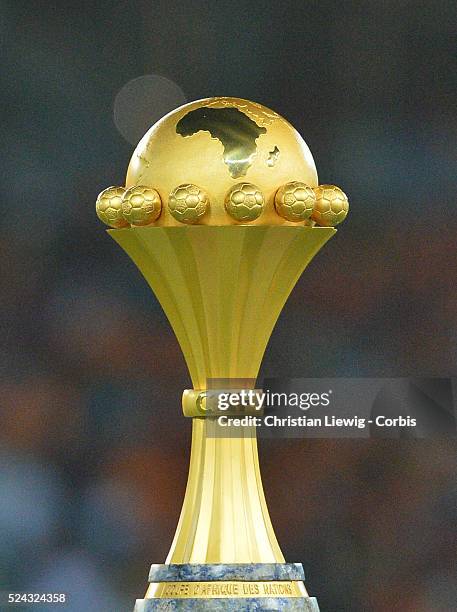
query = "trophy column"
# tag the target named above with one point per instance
(222, 289)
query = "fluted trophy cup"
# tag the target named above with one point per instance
(221, 211)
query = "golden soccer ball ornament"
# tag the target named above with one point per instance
(109, 207)
(244, 202)
(141, 205)
(331, 207)
(188, 203)
(295, 201)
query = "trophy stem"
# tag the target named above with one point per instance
(222, 289)
(224, 516)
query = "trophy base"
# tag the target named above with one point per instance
(247, 604)
(230, 587)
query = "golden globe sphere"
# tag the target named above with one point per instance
(141, 205)
(109, 207)
(295, 201)
(331, 207)
(214, 144)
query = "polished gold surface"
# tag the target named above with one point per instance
(188, 203)
(221, 202)
(237, 130)
(295, 201)
(244, 202)
(216, 143)
(222, 196)
(109, 207)
(141, 205)
(222, 289)
(192, 160)
(224, 518)
(227, 588)
(331, 206)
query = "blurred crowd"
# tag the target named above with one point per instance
(93, 446)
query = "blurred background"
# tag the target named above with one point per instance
(93, 447)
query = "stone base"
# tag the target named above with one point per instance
(248, 604)
(232, 587)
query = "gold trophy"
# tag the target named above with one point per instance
(221, 212)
